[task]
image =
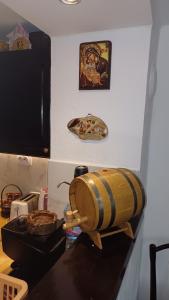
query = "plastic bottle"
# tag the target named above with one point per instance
(71, 233)
(43, 199)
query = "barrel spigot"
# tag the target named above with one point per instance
(74, 220)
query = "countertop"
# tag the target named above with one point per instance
(5, 261)
(86, 273)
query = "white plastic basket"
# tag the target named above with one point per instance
(12, 288)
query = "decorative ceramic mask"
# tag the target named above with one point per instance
(88, 128)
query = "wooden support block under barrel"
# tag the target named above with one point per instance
(106, 199)
(96, 236)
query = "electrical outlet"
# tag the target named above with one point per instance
(24, 160)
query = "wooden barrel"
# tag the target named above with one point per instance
(108, 197)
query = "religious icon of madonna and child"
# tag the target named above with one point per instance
(95, 65)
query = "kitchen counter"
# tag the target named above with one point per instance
(86, 273)
(3, 221)
(5, 261)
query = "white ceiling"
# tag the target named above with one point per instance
(90, 15)
(9, 19)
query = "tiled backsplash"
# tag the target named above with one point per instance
(28, 178)
(42, 173)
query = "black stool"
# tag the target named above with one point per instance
(153, 249)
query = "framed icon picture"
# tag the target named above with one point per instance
(95, 65)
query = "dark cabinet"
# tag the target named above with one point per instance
(25, 99)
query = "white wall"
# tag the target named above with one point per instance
(156, 217)
(151, 90)
(158, 165)
(129, 286)
(121, 107)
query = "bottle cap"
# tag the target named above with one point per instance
(80, 170)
